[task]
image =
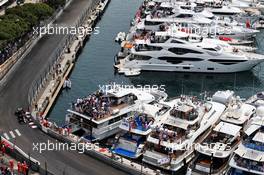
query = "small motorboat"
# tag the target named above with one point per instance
(132, 72)
(121, 36)
(67, 84)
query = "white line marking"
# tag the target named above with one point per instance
(6, 136)
(18, 133)
(12, 134)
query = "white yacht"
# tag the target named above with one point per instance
(99, 115)
(257, 99)
(173, 31)
(216, 27)
(170, 146)
(249, 157)
(219, 7)
(135, 129)
(224, 10)
(214, 152)
(179, 55)
(155, 23)
(194, 20)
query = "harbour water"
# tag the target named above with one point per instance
(95, 66)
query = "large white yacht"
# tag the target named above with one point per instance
(135, 129)
(248, 159)
(224, 10)
(204, 55)
(99, 115)
(215, 27)
(174, 31)
(160, 16)
(249, 156)
(170, 146)
(155, 23)
(216, 149)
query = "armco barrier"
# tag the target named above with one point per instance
(95, 154)
(114, 163)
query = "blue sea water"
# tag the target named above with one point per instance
(95, 66)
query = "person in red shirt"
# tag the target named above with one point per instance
(11, 165)
(19, 168)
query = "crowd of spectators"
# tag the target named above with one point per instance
(4, 170)
(164, 134)
(141, 122)
(96, 106)
(11, 48)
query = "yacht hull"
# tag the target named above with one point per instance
(201, 67)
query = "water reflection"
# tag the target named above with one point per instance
(244, 83)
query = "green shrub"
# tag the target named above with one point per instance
(19, 20)
(12, 26)
(32, 13)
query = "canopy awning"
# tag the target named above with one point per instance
(228, 128)
(250, 154)
(259, 137)
(251, 129)
(177, 123)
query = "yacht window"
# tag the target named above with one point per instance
(142, 57)
(154, 47)
(180, 59)
(186, 7)
(186, 67)
(116, 119)
(176, 41)
(210, 49)
(223, 60)
(151, 23)
(184, 16)
(144, 47)
(226, 62)
(172, 60)
(210, 68)
(181, 51)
